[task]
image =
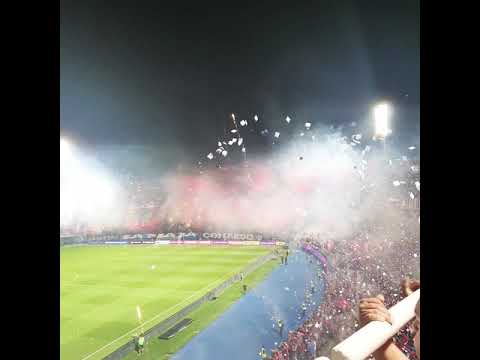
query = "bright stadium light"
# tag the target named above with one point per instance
(381, 114)
(65, 150)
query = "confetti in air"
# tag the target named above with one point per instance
(243, 149)
(412, 196)
(308, 125)
(417, 185)
(277, 134)
(396, 183)
(287, 119)
(240, 141)
(224, 153)
(411, 148)
(219, 144)
(210, 156)
(255, 118)
(243, 122)
(233, 131)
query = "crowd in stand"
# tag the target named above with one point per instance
(372, 262)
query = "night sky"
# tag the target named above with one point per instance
(167, 75)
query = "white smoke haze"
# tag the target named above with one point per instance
(327, 185)
(324, 186)
(89, 194)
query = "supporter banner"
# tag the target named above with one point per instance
(116, 242)
(135, 242)
(166, 236)
(149, 242)
(232, 236)
(188, 236)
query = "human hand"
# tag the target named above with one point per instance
(409, 286)
(373, 309)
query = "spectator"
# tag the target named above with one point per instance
(373, 309)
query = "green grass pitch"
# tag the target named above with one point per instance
(100, 287)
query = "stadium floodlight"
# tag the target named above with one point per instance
(381, 114)
(65, 150)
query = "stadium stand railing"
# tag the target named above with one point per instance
(365, 341)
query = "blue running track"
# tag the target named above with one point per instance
(240, 332)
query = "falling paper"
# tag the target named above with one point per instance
(396, 183)
(411, 148)
(243, 149)
(218, 151)
(287, 119)
(307, 125)
(417, 185)
(230, 142)
(412, 196)
(234, 140)
(240, 141)
(224, 152)
(243, 122)
(210, 156)
(233, 131)
(255, 118)
(219, 144)
(277, 134)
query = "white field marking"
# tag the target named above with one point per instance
(163, 312)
